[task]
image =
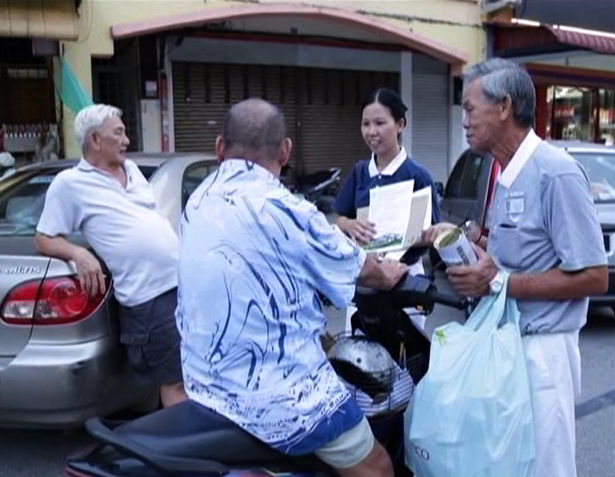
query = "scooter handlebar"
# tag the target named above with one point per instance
(450, 300)
(411, 291)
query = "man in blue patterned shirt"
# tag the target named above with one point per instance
(253, 260)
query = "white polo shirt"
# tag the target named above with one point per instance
(123, 226)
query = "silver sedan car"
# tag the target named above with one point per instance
(60, 357)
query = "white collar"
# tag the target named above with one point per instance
(130, 169)
(521, 156)
(85, 165)
(391, 168)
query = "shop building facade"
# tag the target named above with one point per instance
(30, 114)
(176, 67)
(573, 69)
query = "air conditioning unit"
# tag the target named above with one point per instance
(488, 6)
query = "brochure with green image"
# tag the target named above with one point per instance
(400, 215)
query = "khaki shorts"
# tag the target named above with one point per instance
(350, 448)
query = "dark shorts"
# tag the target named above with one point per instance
(149, 333)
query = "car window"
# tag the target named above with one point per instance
(600, 168)
(472, 171)
(463, 182)
(453, 185)
(147, 171)
(193, 176)
(22, 197)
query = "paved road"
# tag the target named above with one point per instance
(41, 454)
(596, 405)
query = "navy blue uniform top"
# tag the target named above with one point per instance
(365, 176)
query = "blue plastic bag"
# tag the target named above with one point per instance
(471, 415)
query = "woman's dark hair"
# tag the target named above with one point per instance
(389, 98)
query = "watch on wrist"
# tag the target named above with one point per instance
(496, 283)
(472, 230)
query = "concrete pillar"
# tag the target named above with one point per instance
(405, 89)
(457, 137)
(458, 142)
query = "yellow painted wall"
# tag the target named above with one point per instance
(455, 23)
(95, 20)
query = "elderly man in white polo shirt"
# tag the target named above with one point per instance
(107, 199)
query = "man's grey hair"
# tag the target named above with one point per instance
(90, 119)
(254, 129)
(501, 78)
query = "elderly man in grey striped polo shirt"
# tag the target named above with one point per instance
(544, 231)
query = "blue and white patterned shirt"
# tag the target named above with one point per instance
(253, 258)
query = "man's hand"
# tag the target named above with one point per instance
(381, 274)
(361, 231)
(392, 271)
(89, 272)
(473, 280)
(429, 236)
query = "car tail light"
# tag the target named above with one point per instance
(53, 301)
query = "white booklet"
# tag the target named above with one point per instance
(399, 215)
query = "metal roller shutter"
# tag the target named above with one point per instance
(282, 91)
(198, 106)
(330, 121)
(430, 123)
(331, 115)
(322, 107)
(203, 93)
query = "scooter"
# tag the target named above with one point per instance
(320, 188)
(188, 440)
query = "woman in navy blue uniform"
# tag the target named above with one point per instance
(384, 117)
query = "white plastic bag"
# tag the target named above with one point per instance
(471, 415)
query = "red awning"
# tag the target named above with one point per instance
(513, 39)
(586, 41)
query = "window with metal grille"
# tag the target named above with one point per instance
(116, 81)
(113, 86)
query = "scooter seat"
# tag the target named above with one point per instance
(187, 433)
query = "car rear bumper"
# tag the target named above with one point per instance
(60, 386)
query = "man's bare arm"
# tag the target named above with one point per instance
(89, 271)
(556, 284)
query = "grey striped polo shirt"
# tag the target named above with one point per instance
(546, 218)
